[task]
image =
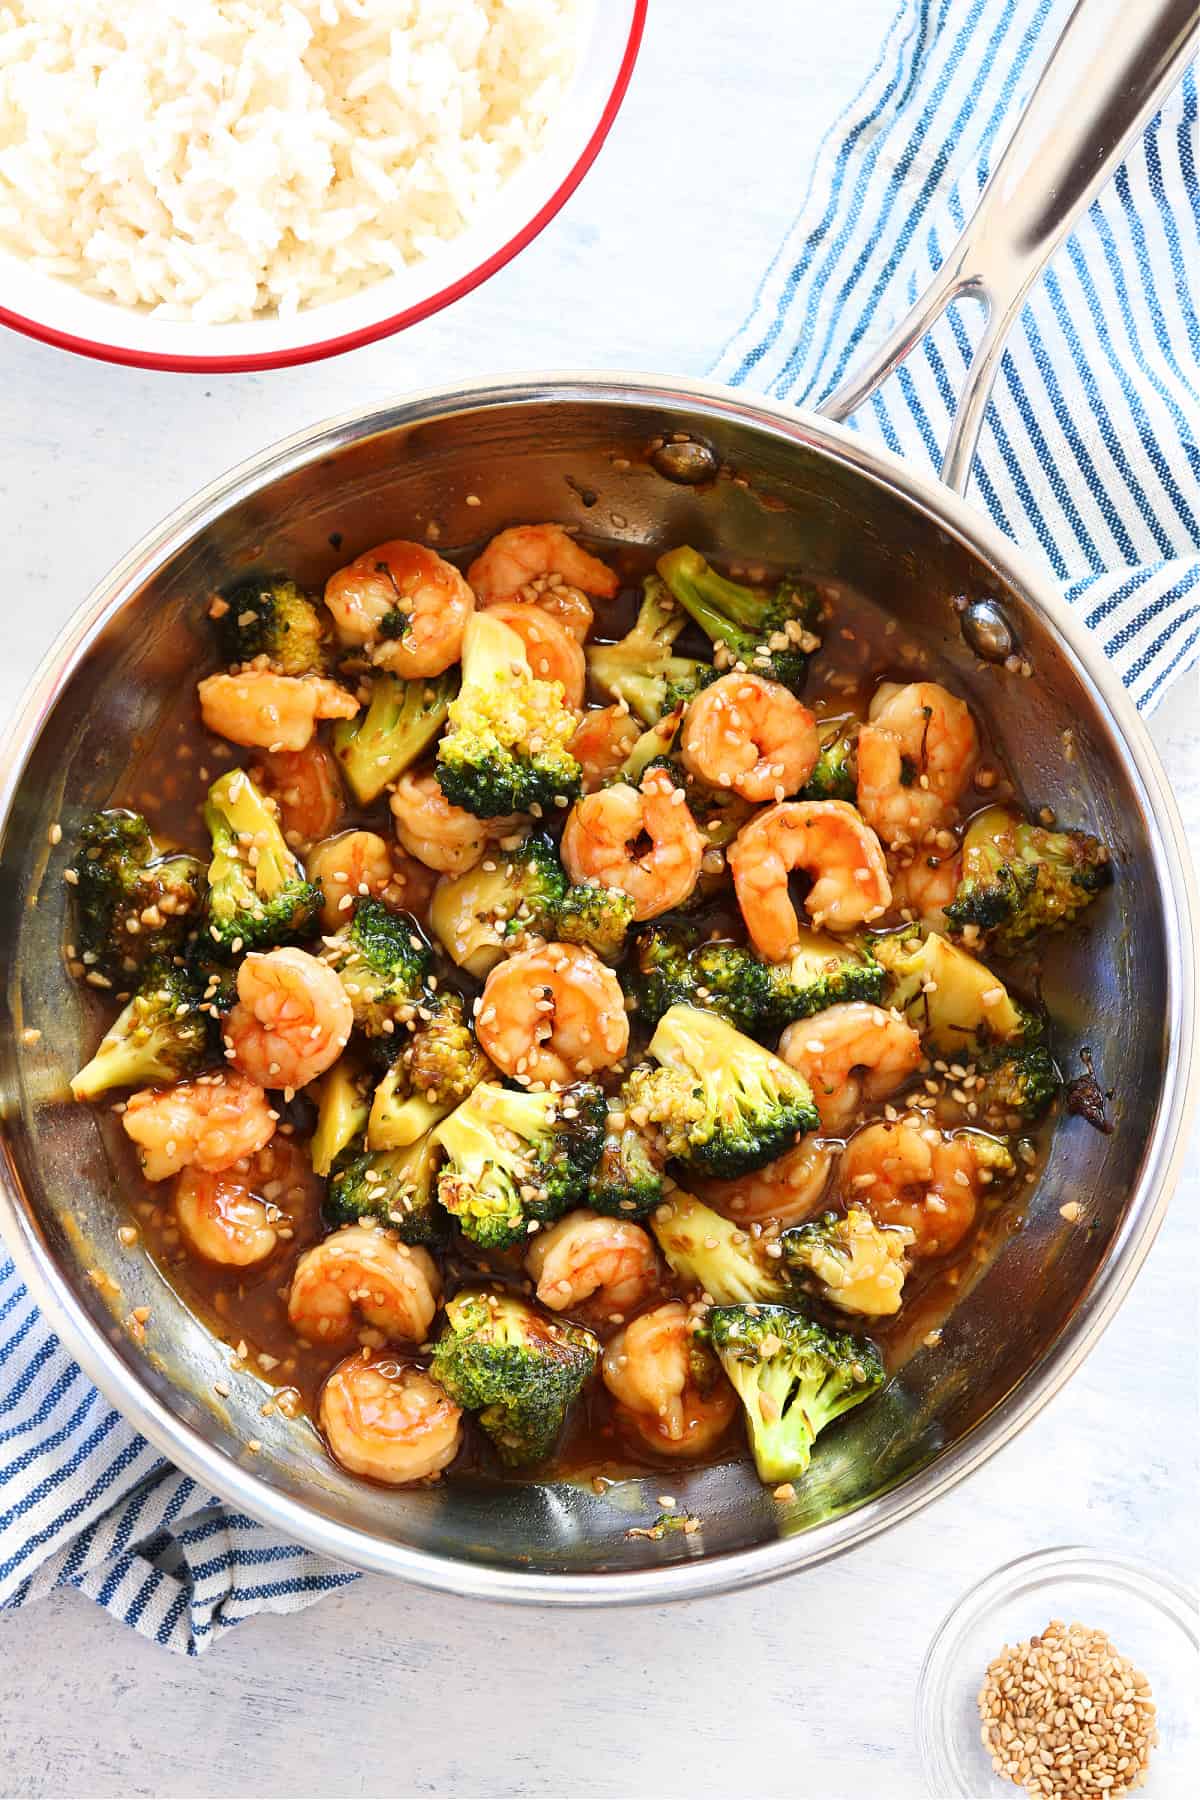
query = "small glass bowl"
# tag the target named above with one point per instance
(1150, 1617)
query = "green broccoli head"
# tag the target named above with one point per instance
(835, 773)
(401, 719)
(642, 669)
(272, 618)
(1018, 1084)
(517, 1369)
(162, 1035)
(505, 745)
(596, 917)
(722, 1103)
(383, 961)
(956, 1003)
(627, 1181)
(482, 915)
(398, 1188)
(793, 1378)
(132, 904)
(678, 964)
(443, 1059)
(518, 1160)
(771, 634)
(708, 1253)
(850, 1261)
(258, 894)
(1019, 879)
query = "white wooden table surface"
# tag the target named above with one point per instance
(803, 1688)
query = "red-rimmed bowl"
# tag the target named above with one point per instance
(59, 313)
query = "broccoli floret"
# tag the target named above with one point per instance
(627, 1181)
(505, 745)
(793, 1378)
(274, 619)
(596, 917)
(436, 1067)
(721, 1103)
(958, 1006)
(712, 1255)
(258, 894)
(517, 1159)
(383, 962)
(643, 670)
(396, 1187)
(482, 915)
(679, 963)
(1021, 1084)
(1019, 879)
(501, 1358)
(343, 1107)
(132, 903)
(835, 772)
(852, 1262)
(771, 634)
(161, 1036)
(401, 719)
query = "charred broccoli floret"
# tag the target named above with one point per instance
(272, 618)
(258, 894)
(627, 1181)
(396, 1187)
(596, 917)
(383, 962)
(770, 633)
(132, 903)
(958, 1006)
(517, 1159)
(850, 1261)
(501, 1358)
(482, 915)
(1019, 879)
(793, 1378)
(642, 669)
(711, 1254)
(505, 744)
(343, 1107)
(721, 1103)
(679, 963)
(400, 720)
(161, 1036)
(835, 772)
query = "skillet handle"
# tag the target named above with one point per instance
(1112, 68)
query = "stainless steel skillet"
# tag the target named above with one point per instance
(807, 491)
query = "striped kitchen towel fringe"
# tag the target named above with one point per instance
(1089, 455)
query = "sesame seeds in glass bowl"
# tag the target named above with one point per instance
(1149, 1616)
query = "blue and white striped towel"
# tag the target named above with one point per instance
(1090, 455)
(1087, 457)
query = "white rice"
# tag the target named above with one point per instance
(214, 159)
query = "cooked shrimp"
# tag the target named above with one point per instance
(408, 579)
(605, 833)
(915, 1175)
(292, 1020)
(209, 1122)
(602, 741)
(750, 735)
(388, 1420)
(351, 865)
(437, 833)
(554, 654)
(239, 1216)
(669, 1388)
(828, 840)
(307, 788)
(850, 1054)
(923, 887)
(551, 1014)
(788, 1190)
(586, 1263)
(916, 754)
(266, 711)
(361, 1273)
(525, 553)
(568, 606)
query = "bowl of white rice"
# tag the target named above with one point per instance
(215, 185)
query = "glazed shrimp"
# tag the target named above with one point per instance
(530, 553)
(916, 754)
(400, 578)
(388, 1419)
(211, 1122)
(788, 1190)
(828, 840)
(750, 735)
(360, 1274)
(293, 1018)
(552, 1014)
(437, 833)
(850, 1054)
(918, 1177)
(351, 865)
(603, 739)
(307, 788)
(602, 841)
(238, 1217)
(588, 1263)
(923, 887)
(272, 712)
(669, 1388)
(554, 653)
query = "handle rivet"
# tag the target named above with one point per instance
(987, 631)
(688, 463)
